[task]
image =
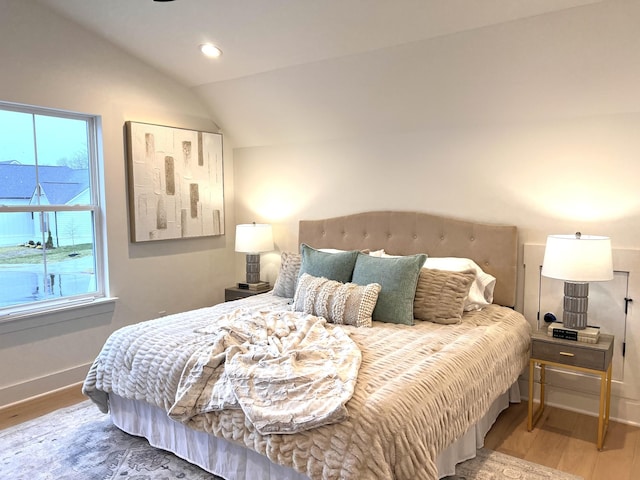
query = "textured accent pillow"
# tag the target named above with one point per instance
(481, 292)
(398, 277)
(285, 285)
(440, 295)
(336, 266)
(341, 303)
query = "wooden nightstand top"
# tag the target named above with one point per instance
(235, 293)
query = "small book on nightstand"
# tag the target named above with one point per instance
(586, 335)
(256, 287)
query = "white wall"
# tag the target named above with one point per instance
(48, 61)
(534, 123)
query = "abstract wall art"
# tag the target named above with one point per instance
(176, 187)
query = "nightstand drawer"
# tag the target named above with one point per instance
(569, 355)
(233, 295)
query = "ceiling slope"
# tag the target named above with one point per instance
(258, 36)
(301, 71)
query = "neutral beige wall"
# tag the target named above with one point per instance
(534, 123)
(48, 61)
(556, 177)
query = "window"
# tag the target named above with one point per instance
(51, 248)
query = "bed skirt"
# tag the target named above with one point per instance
(234, 462)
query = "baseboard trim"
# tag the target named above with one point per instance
(43, 385)
(36, 406)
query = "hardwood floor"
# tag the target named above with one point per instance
(567, 441)
(562, 439)
(41, 405)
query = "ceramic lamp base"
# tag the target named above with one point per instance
(576, 303)
(253, 267)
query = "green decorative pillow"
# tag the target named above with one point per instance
(285, 285)
(398, 277)
(334, 266)
(341, 303)
(441, 294)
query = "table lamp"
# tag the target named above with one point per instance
(252, 239)
(577, 259)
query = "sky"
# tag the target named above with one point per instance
(56, 137)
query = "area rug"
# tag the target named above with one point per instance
(490, 465)
(80, 443)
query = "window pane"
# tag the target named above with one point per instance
(17, 149)
(63, 161)
(54, 156)
(54, 257)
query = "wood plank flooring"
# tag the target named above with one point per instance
(16, 413)
(562, 439)
(567, 441)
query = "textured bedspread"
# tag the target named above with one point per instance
(418, 389)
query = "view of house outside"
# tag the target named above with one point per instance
(46, 246)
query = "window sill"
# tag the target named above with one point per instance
(56, 314)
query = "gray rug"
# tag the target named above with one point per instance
(80, 443)
(490, 465)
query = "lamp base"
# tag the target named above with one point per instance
(576, 303)
(253, 267)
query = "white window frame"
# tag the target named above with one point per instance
(94, 152)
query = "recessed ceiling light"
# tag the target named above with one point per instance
(210, 50)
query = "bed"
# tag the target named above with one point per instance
(425, 394)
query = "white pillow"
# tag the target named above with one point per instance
(374, 253)
(331, 250)
(481, 292)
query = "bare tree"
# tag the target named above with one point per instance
(78, 161)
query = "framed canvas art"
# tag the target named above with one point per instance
(176, 187)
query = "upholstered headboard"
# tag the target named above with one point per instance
(493, 247)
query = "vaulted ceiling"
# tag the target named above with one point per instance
(284, 59)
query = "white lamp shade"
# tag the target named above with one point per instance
(578, 258)
(254, 238)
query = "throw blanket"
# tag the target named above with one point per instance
(287, 371)
(419, 388)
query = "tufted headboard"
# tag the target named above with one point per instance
(493, 247)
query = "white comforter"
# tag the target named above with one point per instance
(418, 389)
(287, 371)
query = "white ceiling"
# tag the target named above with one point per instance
(258, 36)
(297, 71)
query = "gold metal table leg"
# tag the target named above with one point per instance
(534, 417)
(605, 406)
(530, 406)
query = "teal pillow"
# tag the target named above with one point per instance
(334, 266)
(398, 277)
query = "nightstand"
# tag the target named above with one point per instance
(594, 358)
(235, 293)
